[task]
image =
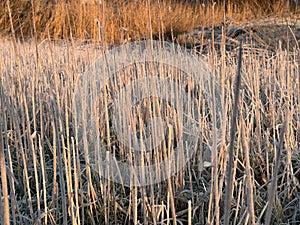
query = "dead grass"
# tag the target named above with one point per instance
(50, 181)
(46, 175)
(123, 20)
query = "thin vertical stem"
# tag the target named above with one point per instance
(273, 184)
(189, 212)
(3, 172)
(229, 169)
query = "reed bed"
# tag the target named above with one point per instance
(47, 174)
(49, 180)
(118, 21)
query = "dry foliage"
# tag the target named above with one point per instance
(123, 19)
(49, 180)
(45, 176)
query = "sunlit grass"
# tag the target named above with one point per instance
(124, 20)
(46, 177)
(49, 180)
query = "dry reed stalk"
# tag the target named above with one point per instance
(59, 146)
(135, 203)
(189, 212)
(273, 184)
(238, 201)
(167, 166)
(35, 35)
(54, 202)
(214, 150)
(6, 217)
(22, 96)
(41, 152)
(140, 159)
(76, 180)
(68, 164)
(249, 178)
(168, 208)
(12, 180)
(229, 170)
(192, 201)
(107, 190)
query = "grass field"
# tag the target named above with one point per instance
(46, 176)
(120, 20)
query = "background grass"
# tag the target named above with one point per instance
(124, 19)
(45, 178)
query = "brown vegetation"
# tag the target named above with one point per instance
(46, 177)
(123, 19)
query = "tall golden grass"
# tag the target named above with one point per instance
(124, 19)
